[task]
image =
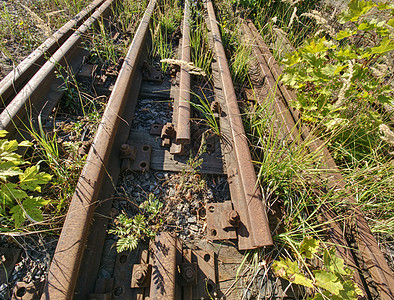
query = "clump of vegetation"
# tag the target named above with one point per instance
(142, 226)
(334, 280)
(333, 77)
(19, 186)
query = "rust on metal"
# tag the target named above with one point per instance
(163, 279)
(181, 117)
(14, 81)
(253, 230)
(140, 275)
(42, 92)
(64, 268)
(135, 157)
(155, 129)
(218, 221)
(27, 291)
(368, 247)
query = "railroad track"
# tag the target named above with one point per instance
(168, 267)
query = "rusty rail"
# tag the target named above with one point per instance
(65, 265)
(42, 92)
(369, 249)
(182, 104)
(253, 230)
(14, 81)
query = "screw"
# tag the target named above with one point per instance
(188, 273)
(125, 150)
(233, 217)
(140, 276)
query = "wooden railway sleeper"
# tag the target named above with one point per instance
(164, 270)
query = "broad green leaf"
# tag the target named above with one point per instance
(390, 22)
(18, 215)
(32, 210)
(9, 169)
(309, 246)
(355, 10)
(31, 179)
(291, 59)
(9, 193)
(387, 5)
(9, 146)
(334, 263)
(350, 291)
(314, 47)
(289, 270)
(345, 54)
(36, 201)
(328, 281)
(385, 46)
(345, 33)
(367, 26)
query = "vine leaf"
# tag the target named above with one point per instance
(289, 270)
(309, 246)
(334, 263)
(328, 281)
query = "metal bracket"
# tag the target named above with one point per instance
(140, 275)
(222, 221)
(135, 157)
(27, 291)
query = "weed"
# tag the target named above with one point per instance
(19, 187)
(143, 226)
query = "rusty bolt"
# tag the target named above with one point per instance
(140, 276)
(125, 150)
(188, 273)
(233, 217)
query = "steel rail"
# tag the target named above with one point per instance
(368, 246)
(14, 81)
(183, 102)
(290, 130)
(64, 269)
(37, 94)
(254, 231)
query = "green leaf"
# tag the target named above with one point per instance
(9, 193)
(9, 146)
(25, 144)
(390, 22)
(328, 281)
(314, 47)
(385, 46)
(356, 9)
(289, 270)
(350, 291)
(8, 169)
(309, 246)
(334, 263)
(31, 179)
(344, 34)
(18, 215)
(31, 205)
(3, 133)
(291, 59)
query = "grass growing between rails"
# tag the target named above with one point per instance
(25, 25)
(357, 131)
